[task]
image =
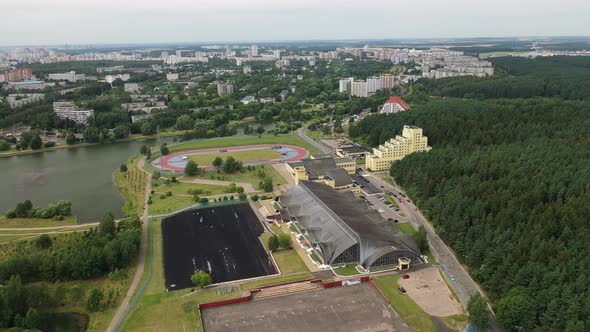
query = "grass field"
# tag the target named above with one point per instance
(348, 270)
(182, 188)
(288, 261)
(223, 142)
(35, 222)
(276, 280)
(248, 176)
(406, 227)
(498, 54)
(131, 185)
(169, 203)
(407, 309)
(244, 156)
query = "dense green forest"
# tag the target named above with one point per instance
(507, 185)
(559, 76)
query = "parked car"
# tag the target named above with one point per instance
(406, 276)
(402, 290)
(380, 210)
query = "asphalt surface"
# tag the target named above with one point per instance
(349, 308)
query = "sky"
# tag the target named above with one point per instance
(58, 22)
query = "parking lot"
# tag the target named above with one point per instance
(349, 308)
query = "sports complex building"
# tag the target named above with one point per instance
(343, 229)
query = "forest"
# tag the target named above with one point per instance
(507, 186)
(566, 77)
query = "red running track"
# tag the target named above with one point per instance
(164, 162)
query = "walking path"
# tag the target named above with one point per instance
(122, 310)
(247, 186)
(302, 133)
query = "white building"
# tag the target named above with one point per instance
(69, 76)
(224, 89)
(254, 50)
(132, 87)
(359, 89)
(110, 78)
(18, 100)
(276, 54)
(172, 76)
(344, 85)
(247, 69)
(373, 84)
(395, 105)
(68, 110)
(247, 100)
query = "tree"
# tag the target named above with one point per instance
(107, 226)
(143, 149)
(36, 142)
(121, 131)
(285, 240)
(267, 184)
(273, 243)
(123, 168)
(118, 83)
(184, 122)
(260, 130)
(421, 239)
(512, 310)
(148, 128)
(191, 168)
(164, 150)
(91, 134)
(203, 200)
(478, 311)
(217, 162)
(201, 279)
(71, 139)
(94, 300)
(32, 319)
(43, 241)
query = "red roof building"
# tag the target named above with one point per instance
(394, 105)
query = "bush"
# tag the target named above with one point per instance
(273, 243)
(203, 200)
(201, 279)
(168, 193)
(48, 144)
(285, 240)
(163, 196)
(191, 168)
(94, 300)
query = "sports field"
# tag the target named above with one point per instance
(249, 155)
(222, 241)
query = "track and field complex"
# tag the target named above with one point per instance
(250, 155)
(222, 241)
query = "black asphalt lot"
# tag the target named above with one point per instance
(349, 308)
(368, 187)
(222, 241)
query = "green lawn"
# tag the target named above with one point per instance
(391, 200)
(314, 134)
(276, 280)
(182, 188)
(406, 227)
(35, 222)
(244, 156)
(348, 270)
(248, 176)
(407, 309)
(288, 261)
(169, 204)
(131, 185)
(290, 139)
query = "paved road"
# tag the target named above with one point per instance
(121, 311)
(302, 133)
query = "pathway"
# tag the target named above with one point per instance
(302, 133)
(122, 310)
(247, 186)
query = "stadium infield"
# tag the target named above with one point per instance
(222, 241)
(176, 162)
(349, 308)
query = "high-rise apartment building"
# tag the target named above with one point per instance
(359, 89)
(386, 81)
(344, 85)
(411, 140)
(224, 89)
(373, 84)
(254, 50)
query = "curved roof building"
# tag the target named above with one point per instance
(344, 229)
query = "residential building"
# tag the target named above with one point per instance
(342, 229)
(69, 76)
(247, 100)
(247, 69)
(359, 89)
(373, 84)
(344, 85)
(132, 87)
(394, 105)
(282, 63)
(270, 100)
(28, 85)
(276, 54)
(387, 81)
(18, 100)
(17, 74)
(352, 152)
(324, 168)
(224, 89)
(111, 78)
(2, 78)
(412, 140)
(68, 110)
(254, 50)
(172, 76)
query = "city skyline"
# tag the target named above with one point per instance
(110, 22)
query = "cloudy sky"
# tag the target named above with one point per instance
(33, 22)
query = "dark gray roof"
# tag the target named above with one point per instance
(354, 149)
(322, 156)
(319, 166)
(340, 176)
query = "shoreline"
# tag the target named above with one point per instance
(6, 154)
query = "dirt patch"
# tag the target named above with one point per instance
(428, 289)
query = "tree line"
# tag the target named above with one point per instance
(507, 185)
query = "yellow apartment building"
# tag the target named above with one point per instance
(411, 140)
